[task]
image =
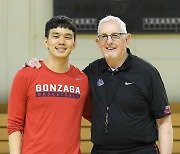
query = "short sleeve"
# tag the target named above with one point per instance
(159, 100)
(87, 112)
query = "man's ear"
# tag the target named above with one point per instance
(98, 42)
(128, 38)
(46, 42)
(74, 45)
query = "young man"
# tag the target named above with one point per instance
(46, 105)
(130, 109)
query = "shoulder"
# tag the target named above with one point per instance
(77, 72)
(143, 65)
(95, 64)
(26, 73)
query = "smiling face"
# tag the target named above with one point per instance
(116, 48)
(60, 42)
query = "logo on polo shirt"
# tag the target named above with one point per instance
(128, 83)
(167, 109)
(100, 82)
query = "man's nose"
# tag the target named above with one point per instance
(61, 40)
(109, 39)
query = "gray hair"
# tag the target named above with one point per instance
(112, 18)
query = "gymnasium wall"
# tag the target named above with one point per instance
(21, 38)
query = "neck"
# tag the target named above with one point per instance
(59, 66)
(117, 61)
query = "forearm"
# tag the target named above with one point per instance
(15, 142)
(166, 138)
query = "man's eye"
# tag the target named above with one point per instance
(116, 36)
(68, 37)
(55, 36)
(104, 36)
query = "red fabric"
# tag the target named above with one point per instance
(47, 108)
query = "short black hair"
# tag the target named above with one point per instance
(62, 22)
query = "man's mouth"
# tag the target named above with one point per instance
(60, 49)
(108, 48)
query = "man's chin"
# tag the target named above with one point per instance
(110, 56)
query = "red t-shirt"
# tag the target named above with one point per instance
(47, 108)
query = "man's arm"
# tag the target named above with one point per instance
(15, 142)
(87, 111)
(16, 111)
(165, 135)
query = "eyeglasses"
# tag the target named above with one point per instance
(114, 36)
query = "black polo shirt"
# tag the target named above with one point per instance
(136, 97)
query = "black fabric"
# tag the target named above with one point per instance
(139, 100)
(145, 149)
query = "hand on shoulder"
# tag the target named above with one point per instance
(34, 63)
